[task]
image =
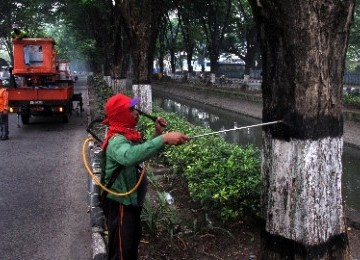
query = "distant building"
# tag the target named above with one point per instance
(231, 70)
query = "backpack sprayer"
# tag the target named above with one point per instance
(107, 188)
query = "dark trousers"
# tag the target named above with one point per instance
(4, 125)
(124, 227)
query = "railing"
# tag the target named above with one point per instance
(352, 78)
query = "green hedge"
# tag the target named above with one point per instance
(224, 177)
(352, 99)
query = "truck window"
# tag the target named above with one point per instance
(33, 55)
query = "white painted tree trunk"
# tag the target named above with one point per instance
(298, 204)
(120, 85)
(212, 78)
(246, 79)
(144, 92)
(303, 50)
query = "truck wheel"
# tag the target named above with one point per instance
(65, 119)
(25, 119)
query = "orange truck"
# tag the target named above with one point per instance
(42, 85)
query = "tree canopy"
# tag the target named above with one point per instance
(102, 33)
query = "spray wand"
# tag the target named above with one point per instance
(154, 118)
(237, 128)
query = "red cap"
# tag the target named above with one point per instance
(118, 104)
(120, 119)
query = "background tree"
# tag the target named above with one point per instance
(214, 16)
(32, 16)
(242, 39)
(189, 29)
(303, 46)
(69, 45)
(141, 21)
(161, 47)
(353, 55)
(172, 29)
(80, 15)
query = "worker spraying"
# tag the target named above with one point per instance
(123, 157)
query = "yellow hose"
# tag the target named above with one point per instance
(94, 177)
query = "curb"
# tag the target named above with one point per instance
(97, 217)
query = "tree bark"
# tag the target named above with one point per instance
(139, 18)
(303, 46)
(251, 49)
(141, 22)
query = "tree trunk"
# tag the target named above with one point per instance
(303, 45)
(251, 48)
(172, 61)
(120, 58)
(214, 65)
(189, 61)
(140, 65)
(161, 57)
(141, 22)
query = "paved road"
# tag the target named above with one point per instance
(43, 190)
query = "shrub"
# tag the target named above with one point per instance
(352, 99)
(224, 177)
(162, 218)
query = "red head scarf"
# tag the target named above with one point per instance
(120, 119)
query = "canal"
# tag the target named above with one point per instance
(219, 119)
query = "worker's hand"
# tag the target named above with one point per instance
(175, 138)
(160, 125)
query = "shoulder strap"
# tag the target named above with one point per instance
(113, 178)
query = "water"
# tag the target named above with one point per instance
(219, 119)
(351, 177)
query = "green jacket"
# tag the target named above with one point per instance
(122, 151)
